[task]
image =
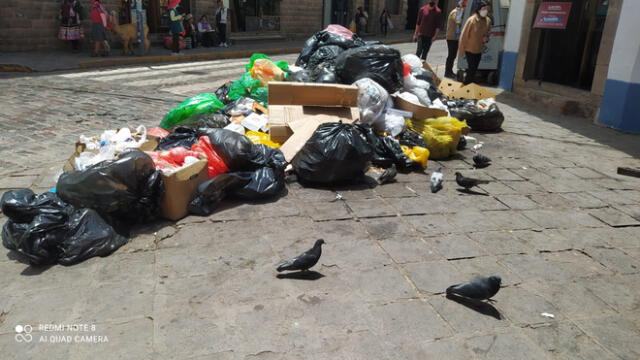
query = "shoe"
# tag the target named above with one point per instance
(450, 75)
(175, 54)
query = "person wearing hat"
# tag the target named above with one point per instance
(191, 30)
(454, 28)
(475, 34)
(175, 27)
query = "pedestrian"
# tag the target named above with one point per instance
(205, 31)
(385, 19)
(454, 28)
(70, 23)
(475, 34)
(222, 17)
(427, 27)
(99, 18)
(361, 21)
(175, 26)
(191, 31)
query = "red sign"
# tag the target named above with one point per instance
(552, 15)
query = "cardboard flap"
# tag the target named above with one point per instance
(299, 115)
(188, 172)
(436, 79)
(312, 94)
(420, 112)
(298, 139)
(455, 89)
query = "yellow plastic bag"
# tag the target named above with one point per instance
(441, 134)
(258, 137)
(266, 70)
(416, 154)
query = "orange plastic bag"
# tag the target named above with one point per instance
(216, 165)
(266, 70)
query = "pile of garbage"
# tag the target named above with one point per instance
(344, 106)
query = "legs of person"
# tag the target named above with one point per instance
(385, 29)
(176, 43)
(222, 30)
(452, 46)
(473, 61)
(424, 44)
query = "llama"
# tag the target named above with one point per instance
(128, 34)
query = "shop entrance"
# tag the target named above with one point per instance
(255, 15)
(158, 14)
(568, 57)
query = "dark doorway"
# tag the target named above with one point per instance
(256, 15)
(158, 14)
(412, 13)
(568, 57)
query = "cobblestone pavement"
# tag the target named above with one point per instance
(557, 223)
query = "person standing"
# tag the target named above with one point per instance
(175, 26)
(99, 17)
(385, 19)
(427, 27)
(361, 21)
(70, 20)
(454, 27)
(475, 34)
(222, 17)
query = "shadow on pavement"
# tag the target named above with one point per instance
(478, 306)
(627, 143)
(301, 275)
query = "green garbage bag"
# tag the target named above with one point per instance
(281, 64)
(190, 110)
(243, 86)
(260, 95)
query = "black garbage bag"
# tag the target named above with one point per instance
(303, 76)
(264, 182)
(222, 91)
(236, 150)
(324, 38)
(324, 54)
(215, 120)
(325, 73)
(426, 75)
(410, 138)
(128, 189)
(336, 152)
(478, 118)
(387, 151)
(380, 63)
(46, 230)
(182, 136)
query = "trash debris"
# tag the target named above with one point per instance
(379, 63)
(548, 315)
(191, 110)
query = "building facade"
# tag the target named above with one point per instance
(590, 68)
(32, 25)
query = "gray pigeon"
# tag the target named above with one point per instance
(467, 182)
(303, 261)
(388, 175)
(481, 161)
(481, 288)
(436, 180)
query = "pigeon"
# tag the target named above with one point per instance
(468, 183)
(481, 161)
(303, 261)
(477, 147)
(462, 144)
(389, 175)
(436, 180)
(481, 288)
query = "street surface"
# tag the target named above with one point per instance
(556, 223)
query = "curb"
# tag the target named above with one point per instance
(92, 64)
(15, 68)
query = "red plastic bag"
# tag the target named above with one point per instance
(172, 158)
(158, 131)
(216, 165)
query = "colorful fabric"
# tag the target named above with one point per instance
(70, 33)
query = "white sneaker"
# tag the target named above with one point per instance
(174, 54)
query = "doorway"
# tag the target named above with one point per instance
(412, 14)
(158, 14)
(568, 57)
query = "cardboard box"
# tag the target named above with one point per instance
(180, 188)
(436, 79)
(297, 109)
(149, 145)
(457, 90)
(419, 111)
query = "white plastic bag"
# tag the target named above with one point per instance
(235, 127)
(409, 97)
(373, 101)
(255, 122)
(394, 122)
(414, 62)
